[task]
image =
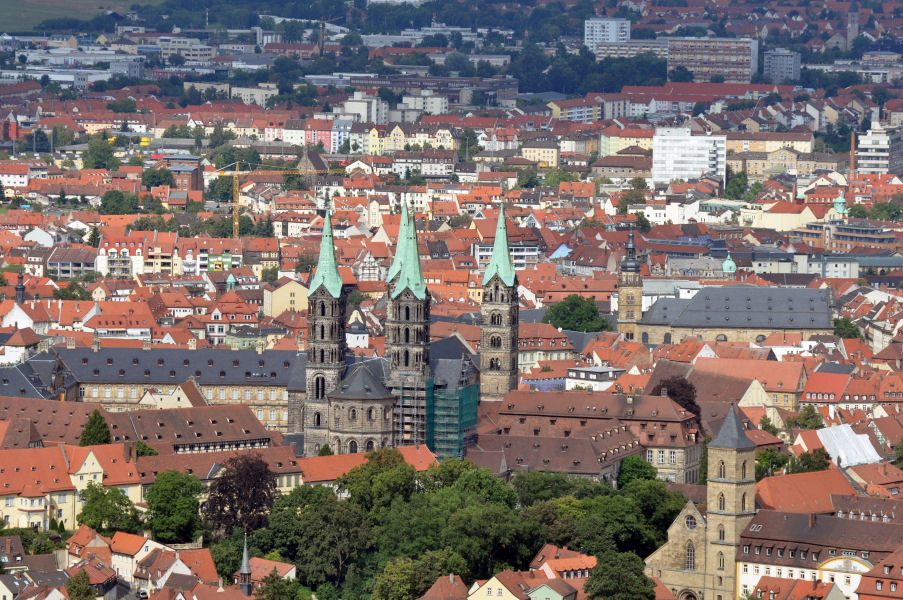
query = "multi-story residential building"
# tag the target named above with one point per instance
(781, 65)
(762, 165)
(366, 109)
(814, 547)
(880, 151)
(121, 256)
(677, 154)
(608, 31)
(524, 254)
(843, 235)
(545, 154)
(258, 96)
(735, 59)
(631, 49)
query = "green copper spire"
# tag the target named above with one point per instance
(407, 257)
(402, 233)
(500, 262)
(327, 273)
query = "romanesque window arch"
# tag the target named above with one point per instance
(407, 313)
(407, 358)
(721, 338)
(352, 447)
(369, 446)
(322, 332)
(645, 337)
(369, 414)
(322, 309)
(691, 557)
(352, 414)
(319, 387)
(317, 419)
(495, 319)
(667, 338)
(495, 342)
(407, 335)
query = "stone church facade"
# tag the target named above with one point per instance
(698, 562)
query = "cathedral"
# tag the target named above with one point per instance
(698, 562)
(353, 404)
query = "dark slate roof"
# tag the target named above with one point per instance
(297, 381)
(361, 384)
(833, 367)
(209, 366)
(450, 347)
(746, 307)
(731, 434)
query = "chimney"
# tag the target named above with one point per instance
(95, 344)
(145, 345)
(193, 343)
(70, 343)
(451, 578)
(664, 393)
(811, 520)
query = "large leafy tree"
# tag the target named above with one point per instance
(681, 391)
(380, 480)
(633, 468)
(576, 313)
(242, 496)
(333, 534)
(108, 509)
(807, 419)
(155, 177)
(79, 587)
(95, 432)
(845, 328)
(99, 155)
(274, 587)
(173, 507)
(619, 576)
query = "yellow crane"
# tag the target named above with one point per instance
(322, 40)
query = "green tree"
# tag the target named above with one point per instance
(78, 587)
(898, 453)
(633, 468)
(334, 534)
(807, 419)
(765, 424)
(630, 198)
(817, 460)
(396, 582)
(642, 223)
(269, 275)
(99, 155)
(305, 263)
(325, 450)
(115, 202)
(576, 313)
(123, 105)
(384, 477)
(95, 432)
(846, 329)
(769, 461)
(736, 186)
(107, 510)
(537, 486)
(142, 449)
(173, 507)
(619, 576)
(274, 587)
(638, 183)
(156, 177)
(858, 211)
(242, 496)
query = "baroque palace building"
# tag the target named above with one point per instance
(411, 395)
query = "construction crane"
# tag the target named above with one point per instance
(322, 40)
(236, 196)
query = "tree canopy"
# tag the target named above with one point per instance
(96, 431)
(576, 313)
(173, 507)
(242, 496)
(108, 510)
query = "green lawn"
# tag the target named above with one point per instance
(24, 16)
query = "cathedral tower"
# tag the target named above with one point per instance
(325, 341)
(499, 320)
(630, 292)
(731, 491)
(408, 336)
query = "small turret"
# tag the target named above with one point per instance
(20, 289)
(244, 574)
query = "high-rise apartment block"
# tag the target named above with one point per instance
(781, 65)
(677, 154)
(602, 31)
(734, 59)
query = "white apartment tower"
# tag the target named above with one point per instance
(605, 31)
(677, 154)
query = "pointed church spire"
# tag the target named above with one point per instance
(327, 273)
(244, 574)
(402, 233)
(500, 262)
(731, 434)
(407, 256)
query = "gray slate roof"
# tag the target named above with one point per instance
(731, 434)
(361, 384)
(745, 307)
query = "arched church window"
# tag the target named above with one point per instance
(352, 447)
(691, 557)
(721, 502)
